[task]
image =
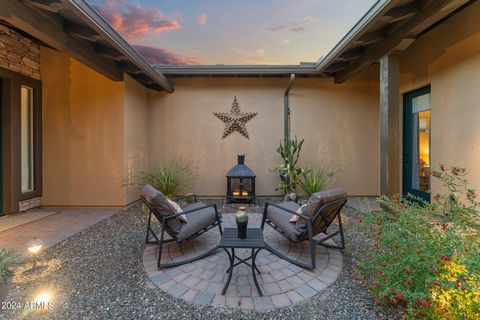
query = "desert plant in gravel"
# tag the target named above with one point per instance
(170, 177)
(425, 258)
(8, 260)
(315, 178)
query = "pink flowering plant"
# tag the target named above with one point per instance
(424, 258)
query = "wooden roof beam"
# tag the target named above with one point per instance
(337, 66)
(373, 36)
(47, 5)
(406, 31)
(80, 31)
(28, 20)
(128, 67)
(403, 12)
(352, 54)
(109, 52)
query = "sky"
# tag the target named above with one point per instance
(245, 32)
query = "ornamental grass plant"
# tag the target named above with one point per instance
(424, 258)
(8, 259)
(315, 178)
(170, 177)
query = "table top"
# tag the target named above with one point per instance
(253, 240)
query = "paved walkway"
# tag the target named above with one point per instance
(53, 228)
(283, 284)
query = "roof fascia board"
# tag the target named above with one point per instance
(238, 69)
(98, 23)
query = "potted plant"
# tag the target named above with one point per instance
(289, 173)
(8, 259)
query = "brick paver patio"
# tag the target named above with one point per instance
(282, 283)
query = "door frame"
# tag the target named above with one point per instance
(418, 195)
(11, 139)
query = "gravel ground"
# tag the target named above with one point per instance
(98, 274)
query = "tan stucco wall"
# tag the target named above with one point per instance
(339, 124)
(83, 134)
(136, 136)
(448, 58)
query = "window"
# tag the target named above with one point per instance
(26, 139)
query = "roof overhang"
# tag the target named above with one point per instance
(72, 26)
(390, 26)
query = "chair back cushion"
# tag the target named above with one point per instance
(322, 219)
(161, 207)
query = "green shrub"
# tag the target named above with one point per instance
(8, 259)
(171, 177)
(314, 179)
(425, 258)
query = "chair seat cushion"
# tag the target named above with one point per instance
(197, 220)
(280, 219)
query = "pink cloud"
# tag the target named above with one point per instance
(133, 21)
(297, 29)
(202, 19)
(293, 25)
(161, 56)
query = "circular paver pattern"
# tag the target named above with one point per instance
(282, 283)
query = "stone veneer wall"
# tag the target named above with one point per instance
(19, 54)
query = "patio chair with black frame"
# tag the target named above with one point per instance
(320, 211)
(201, 218)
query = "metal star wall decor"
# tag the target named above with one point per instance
(235, 120)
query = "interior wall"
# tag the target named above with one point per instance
(83, 134)
(448, 59)
(136, 137)
(339, 124)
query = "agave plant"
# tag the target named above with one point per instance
(8, 259)
(314, 179)
(289, 173)
(170, 177)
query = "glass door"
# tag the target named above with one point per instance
(416, 144)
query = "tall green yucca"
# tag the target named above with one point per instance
(171, 177)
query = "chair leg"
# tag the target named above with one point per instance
(160, 248)
(342, 238)
(218, 219)
(179, 263)
(340, 227)
(312, 244)
(287, 258)
(148, 227)
(264, 216)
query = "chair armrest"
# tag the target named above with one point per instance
(287, 210)
(200, 208)
(214, 206)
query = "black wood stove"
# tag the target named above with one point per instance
(241, 183)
